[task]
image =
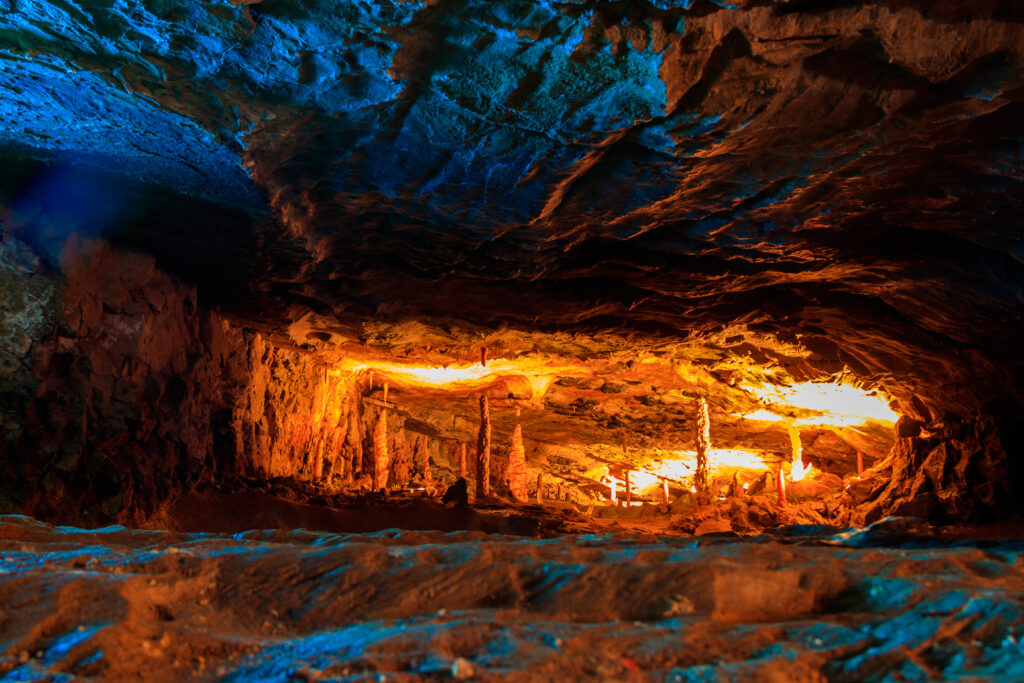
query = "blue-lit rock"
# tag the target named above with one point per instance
(845, 179)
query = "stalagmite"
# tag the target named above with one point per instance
(736, 490)
(540, 488)
(664, 489)
(612, 490)
(462, 460)
(516, 471)
(318, 464)
(860, 464)
(703, 439)
(780, 486)
(401, 456)
(629, 491)
(427, 476)
(799, 470)
(483, 451)
(354, 441)
(380, 452)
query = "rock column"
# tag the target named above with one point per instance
(703, 439)
(380, 452)
(483, 451)
(516, 473)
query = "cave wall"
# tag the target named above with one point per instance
(962, 469)
(131, 388)
(126, 390)
(120, 391)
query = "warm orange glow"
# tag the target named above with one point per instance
(703, 440)
(839, 405)
(799, 469)
(539, 373)
(680, 466)
(410, 374)
(763, 416)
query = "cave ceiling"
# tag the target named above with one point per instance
(811, 188)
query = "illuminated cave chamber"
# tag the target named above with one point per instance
(221, 237)
(618, 430)
(142, 398)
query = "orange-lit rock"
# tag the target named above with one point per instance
(381, 457)
(702, 427)
(515, 473)
(483, 451)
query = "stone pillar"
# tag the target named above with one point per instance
(736, 490)
(427, 476)
(702, 427)
(516, 471)
(483, 451)
(380, 452)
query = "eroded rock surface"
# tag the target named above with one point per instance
(283, 605)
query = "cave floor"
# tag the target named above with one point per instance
(884, 603)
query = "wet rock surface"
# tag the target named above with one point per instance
(809, 604)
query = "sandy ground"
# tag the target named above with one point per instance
(805, 604)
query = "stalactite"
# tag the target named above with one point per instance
(629, 491)
(860, 464)
(483, 451)
(664, 490)
(462, 460)
(515, 473)
(380, 452)
(703, 439)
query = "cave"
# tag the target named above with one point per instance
(672, 340)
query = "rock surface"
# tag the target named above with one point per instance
(764, 188)
(275, 605)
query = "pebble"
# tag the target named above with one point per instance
(461, 669)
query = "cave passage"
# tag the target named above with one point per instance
(512, 340)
